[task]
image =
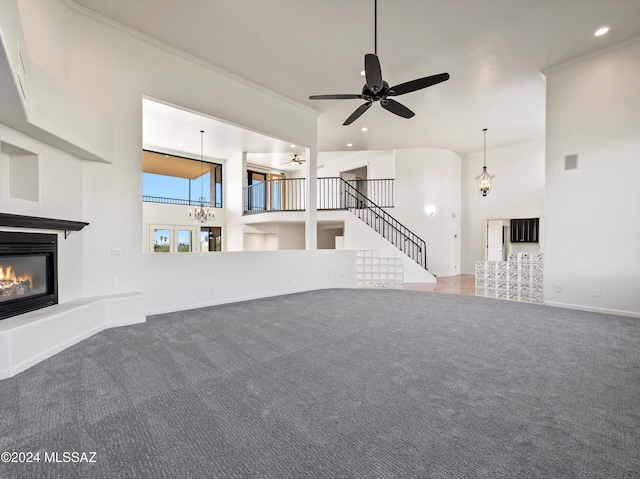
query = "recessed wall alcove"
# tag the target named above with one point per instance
(20, 170)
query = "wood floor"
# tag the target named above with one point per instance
(460, 284)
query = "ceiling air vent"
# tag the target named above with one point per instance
(571, 162)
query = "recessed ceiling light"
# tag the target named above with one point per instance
(362, 73)
(364, 128)
(292, 145)
(349, 144)
(180, 145)
(601, 31)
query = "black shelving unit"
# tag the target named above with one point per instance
(525, 230)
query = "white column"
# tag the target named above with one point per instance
(235, 170)
(311, 199)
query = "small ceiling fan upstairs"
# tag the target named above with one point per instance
(376, 89)
(295, 159)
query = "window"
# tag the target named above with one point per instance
(182, 239)
(161, 240)
(180, 181)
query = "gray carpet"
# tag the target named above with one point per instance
(339, 384)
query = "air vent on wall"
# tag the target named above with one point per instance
(571, 162)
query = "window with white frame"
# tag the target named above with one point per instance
(184, 239)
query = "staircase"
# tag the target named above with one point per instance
(384, 224)
(338, 194)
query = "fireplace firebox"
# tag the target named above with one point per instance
(28, 272)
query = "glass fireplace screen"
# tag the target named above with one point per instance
(23, 276)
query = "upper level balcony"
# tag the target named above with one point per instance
(288, 194)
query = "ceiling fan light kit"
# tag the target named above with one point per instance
(376, 89)
(296, 159)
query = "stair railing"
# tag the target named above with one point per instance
(386, 225)
(339, 194)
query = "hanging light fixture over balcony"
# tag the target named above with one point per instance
(201, 214)
(484, 179)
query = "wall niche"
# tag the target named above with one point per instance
(19, 173)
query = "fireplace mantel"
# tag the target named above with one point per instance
(21, 221)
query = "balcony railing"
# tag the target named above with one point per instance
(337, 194)
(280, 194)
(289, 194)
(378, 191)
(177, 201)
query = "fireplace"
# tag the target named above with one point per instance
(28, 272)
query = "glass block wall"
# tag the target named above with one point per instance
(375, 272)
(518, 279)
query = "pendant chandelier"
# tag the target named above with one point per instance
(484, 179)
(201, 214)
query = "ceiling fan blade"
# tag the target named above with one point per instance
(397, 108)
(356, 114)
(373, 72)
(418, 84)
(346, 96)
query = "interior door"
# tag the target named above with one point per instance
(351, 199)
(494, 240)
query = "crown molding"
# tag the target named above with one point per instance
(589, 56)
(175, 51)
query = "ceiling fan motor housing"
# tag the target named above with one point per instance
(371, 96)
(376, 89)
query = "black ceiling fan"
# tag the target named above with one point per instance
(376, 89)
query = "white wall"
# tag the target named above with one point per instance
(379, 163)
(256, 242)
(517, 192)
(25, 109)
(593, 213)
(423, 177)
(290, 236)
(60, 197)
(430, 177)
(109, 71)
(271, 236)
(327, 236)
(237, 276)
(233, 234)
(360, 236)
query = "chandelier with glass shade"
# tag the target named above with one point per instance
(484, 179)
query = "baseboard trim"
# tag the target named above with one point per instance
(239, 299)
(16, 368)
(616, 312)
(30, 338)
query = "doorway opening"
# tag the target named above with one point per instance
(498, 244)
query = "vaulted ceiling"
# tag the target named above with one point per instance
(494, 51)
